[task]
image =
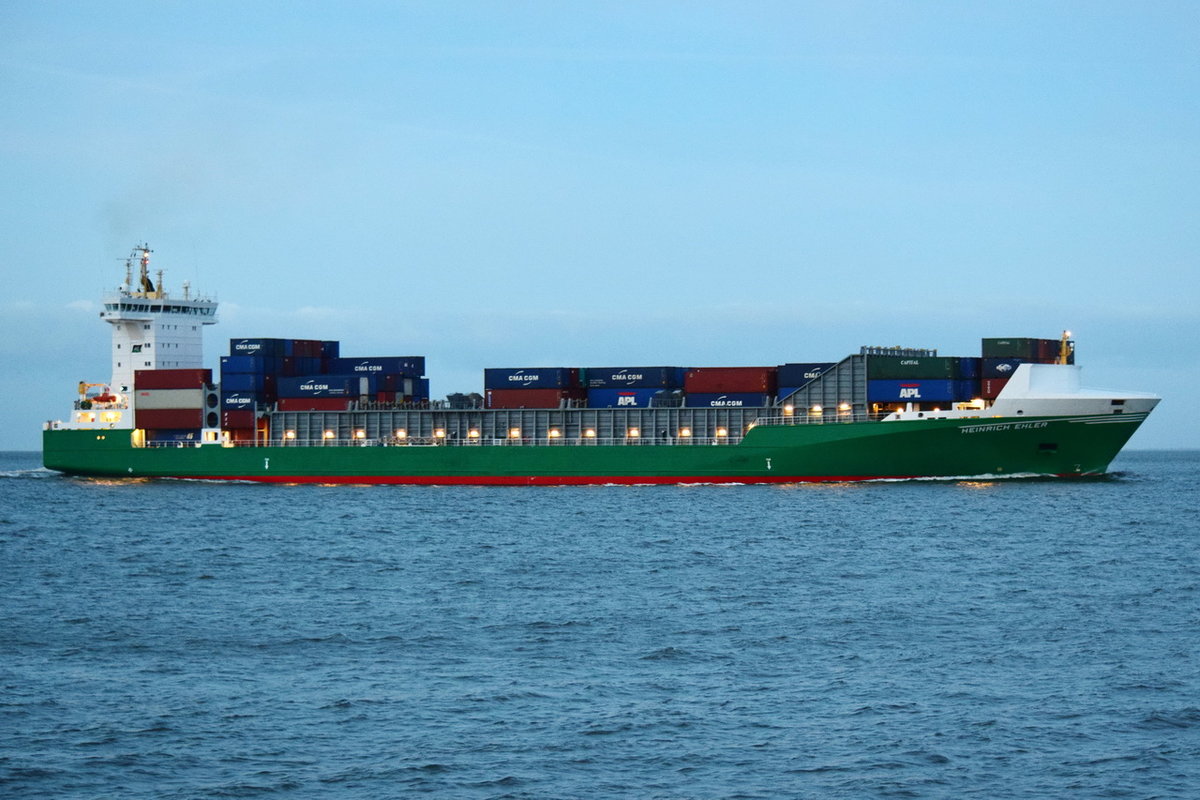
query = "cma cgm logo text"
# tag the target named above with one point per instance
(366, 367)
(314, 387)
(811, 375)
(521, 377)
(627, 376)
(910, 391)
(725, 402)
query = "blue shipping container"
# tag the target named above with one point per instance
(173, 435)
(731, 400)
(1000, 367)
(913, 390)
(797, 375)
(621, 398)
(238, 401)
(246, 382)
(968, 368)
(411, 366)
(252, 365)
(331, 349)
(256, 347)
(634, 377)
(420, 388)
(528, 378)
(326, 386)
(966, 390)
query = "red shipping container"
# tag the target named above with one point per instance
(237, 418)
(171, 378)
(532, 398)
(718, 380)
(990, 387)
(313, 403)
(240, 434)
(168, 418)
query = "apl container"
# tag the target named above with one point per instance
(726, 400)
(797, 375)
(621, 398)
(633, 377)
(171, 378)
(911, 390)
(504, 378)
(738, 380)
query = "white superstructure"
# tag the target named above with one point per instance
(150, 330)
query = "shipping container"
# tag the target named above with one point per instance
(533, 398)
(264, 385)
(314, 403)
(798, 375)
(504, 378)
(966, 390)
(419, 389)
(240, 434)
(969, 367)
(1043, 351)
(904, 367)
(168, 418)
(168, 398)
(412, 366)
(633, 377)
(330, 349)
(254, 365)
(989, 388)
(739, 380)
(1001, 367)
(326, 386)
(622, 398)
(237, 418)
(726, 400)
(171, 378)
(256, 347)
(912, 390)
(239, 401)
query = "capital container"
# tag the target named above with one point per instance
(799, 374)
(256, 365)
(632, 377)
(168, 398)
(726, 400)
(912, 390)
(413, 366)
(1033, 350)
(621, 398)
(739, 380)
(168, 418)
(898, 367)
(256, 347)
(532, 398)
(505, 378)
(171, 378)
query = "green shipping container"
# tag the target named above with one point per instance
(900, 367)
(1011, 347)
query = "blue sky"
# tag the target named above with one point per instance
(549, 183)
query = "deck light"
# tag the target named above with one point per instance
(722, 433)
(788, 409)
(401, 433)
(289, 434)
(514, 433)
(472, 434)
(634, 433)
(554, 433)
(328, 434)
(360, 434)
(684, 433)
(843, 407)
(590, 433)
(815, 410)
(439, 434)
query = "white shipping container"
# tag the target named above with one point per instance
(156, 399)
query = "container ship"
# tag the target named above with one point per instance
(300, 411)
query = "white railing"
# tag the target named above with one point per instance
(542, 441)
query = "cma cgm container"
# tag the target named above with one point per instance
(504, 378)
(238, 401)
(634, 377)
(411, 366)
(532, 398)
(325, 386)
(897, 367)
(797, 375)
(171, 378)
(727, 400)
(911, 390)
(621, 398)
(739, 380)
(256, 347)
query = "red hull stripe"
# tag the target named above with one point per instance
(540, 480)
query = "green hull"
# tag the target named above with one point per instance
(936, 448)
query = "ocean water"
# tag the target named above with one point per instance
(928, 639)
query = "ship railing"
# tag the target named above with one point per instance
(527, 441)
(832, 417)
